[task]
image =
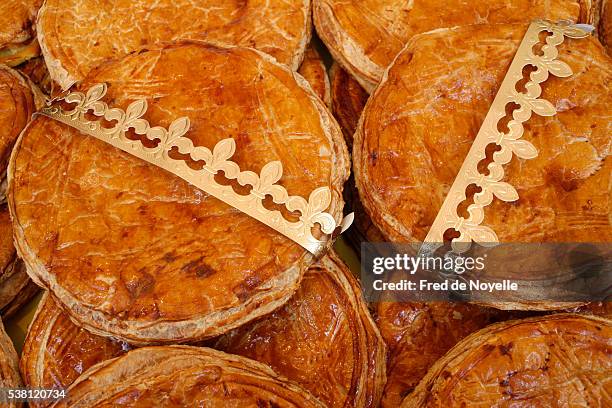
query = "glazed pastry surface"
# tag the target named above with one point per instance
(78, 35)
(552, 361)
(57, 351)
(159, 260)
(314, 71)
(16, 107)
(418, 334)
(365, 36)
(323, 338)
(605, 25)
(180, 376)
(420, 123)
(348, 101)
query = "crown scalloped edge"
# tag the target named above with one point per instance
(312, 211)
(470, 229)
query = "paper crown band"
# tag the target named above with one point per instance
(491, 185)
(218, 160)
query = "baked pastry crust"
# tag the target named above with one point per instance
(604, 26)
(17, 31)
(553, 361)
(16, 288)
(9, 372)
(323, 338)
(183, 376)
(418, 334)
(17, 103)
(348, 101)
(404, 138)
(314, 71)
(293, 341)
(56, 351)
(365, 36)
(78, 35)
(159, 260)
(603, 309)
(36, 70)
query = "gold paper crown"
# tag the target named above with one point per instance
(491, 184)
(263, 184)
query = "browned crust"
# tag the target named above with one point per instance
(248, 25)
(183, 375)
(56, 351)
(17, 30)
(333, 340)
(9, 371)
(329, 31)
(603, 17)
(17, 103)
(348, 101)
(105, 322)
(557, 360)
(418, 334)
(365, 36)
(36, 70)
(16, 289)
(315, 73)
(16, 106)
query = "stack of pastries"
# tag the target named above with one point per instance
(157, 294)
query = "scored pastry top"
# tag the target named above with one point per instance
(419, 125)
(158, 143)
(515, 106)
(184, 376)
(157, 258)
(56, 351)
(75, 42)
(558, 360)
(365, 36)
(323, 338)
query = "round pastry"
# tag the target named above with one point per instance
(135, 252)
(553, 361)
(56, 351)
(323, 339)
(365, 37)
(418, 334)
(348, 101)
(78, 35)
(313, 70)
(405, 157)
(9, 372)
(17, 31)
(183, 376)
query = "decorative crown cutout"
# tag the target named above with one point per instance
(264, 184)
(508, 143)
